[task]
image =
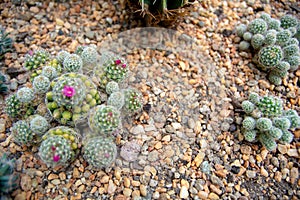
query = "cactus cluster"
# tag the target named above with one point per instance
(72, 63)
(9, 180)
(100, 152)
(267, 122)
(60, 146)
(275, 44)
(41, 84)
(5, 43)
(35, 60)
(22, 133)
(3, 86)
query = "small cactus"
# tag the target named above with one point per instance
(249, 123)
(35, 60)
(274, 132)
(116, 100)
(39, 125)
(100, 152)
(25, 95)
(133, 101)
(263, 124)
(275, 79)
(244, 45)
(112, 87)
(9, 180)
(116, 69)
(250, 135)
(3, 86)
(61, 56)
(270, 106)
(283, 37)
(253, 98)
(89, 55)
(241, 29)
(104, 119)
(287, 137)
(294, 62)
(274, 24)
(72, 63)
(270, 37)
(13, 106)
(49, 72)
(258, 26)
(267, 142)
(5, 43)
(247, 36)
(282, 122)
(41, 84)
(290, 50)
(248, 106)
(257, 41)
(270, 56)
(288, 21)
(22, 133)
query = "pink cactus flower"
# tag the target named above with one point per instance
(30, 52)
(106, 155)
(56, 158)
(124, 65)
(117, 62)
(110, 114)
(68, 91)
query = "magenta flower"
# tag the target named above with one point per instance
(117, 62)
(68, 91)
(124, 65)
(56, 158)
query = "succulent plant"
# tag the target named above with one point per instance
(258, 26)
(73, 63)
(3, 86)
(89, 55)
(248, 106)
(41, 84)
(270, 56)
(271, 125)
(294, 62)
(133, 101)
(22, 133)
(288, 21)
(61, 56)
(100, 152)
(35, 60)
(283, 37)
(39, 125)
(12, 105)
(274, 24)
(241, 29)
(25, 95)
(290, 50)
(104, 119)
(270, 37)
(50, 72)
(244, 45)
(247, 36)
(9, 180)
(112, 87)
(5, 43)
(116, 100)
(257, 41)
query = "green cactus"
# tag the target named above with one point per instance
(249, 123)
(254, 98)
(282, 122)
(274, 132)
(247, 36)
(116, 100)
(13, 106)
(241, 29)
(294, 62)
(35, 60)
(3, 86)
(9, 180)
(270, 106)
(244, 45)
(287, 137)
(282, 66)
(290, 50)
(116, 69)
(283, 37)
(73, 63)
(258, 26)
(257, 41)
(22, 133)
(250, 135)
(133, 101)
(104, 119)
(5, 43)
(265, 16)
(267, 142)
(25, 95)
(41, 84)
(288, 21)
(263, 124)
(100, 152)
(275, 79)
(274, 24)
(248, 106)
(50, 72)
(270, 37)
(61, 56)
(112, 87)
(270, 56)
(89, 55)
(39, 125)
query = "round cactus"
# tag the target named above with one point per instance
(270, 56)
(241, 29)
(100, 152)
(249, 123)
(279, 73)
(288, 21)
(36, 59)
(274, 24)
(275, 79)
(62, 55)
(250, 135)
(294, 62)
(282, 122)
(12, 105)
(55, 151)
(295, 121)
(283, 37)
(133, 101)
(287, 137)
(256, 113)
(104, 119)
(72, 63)
(22, 133)
(274, 132)
(290, 50)
(253, 98)
(257, 41)
(244, 45)
(248, 106)
(258, 26)
(25, 95)
(247, 36)
(267, 142)
(39, 124)
(69, 91)
(41, 84)
(266, 17)
(270, 37)
(282, 66)
(89, 55)
(263, 124)
(112, 87)
(116, 100)
(270, 106)
(49, 72)
(116, 69)
(292, 41)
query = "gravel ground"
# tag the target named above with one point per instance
(192, 77)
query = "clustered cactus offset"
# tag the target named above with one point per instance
(267, 122)
(9, 180)
(275, 44)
